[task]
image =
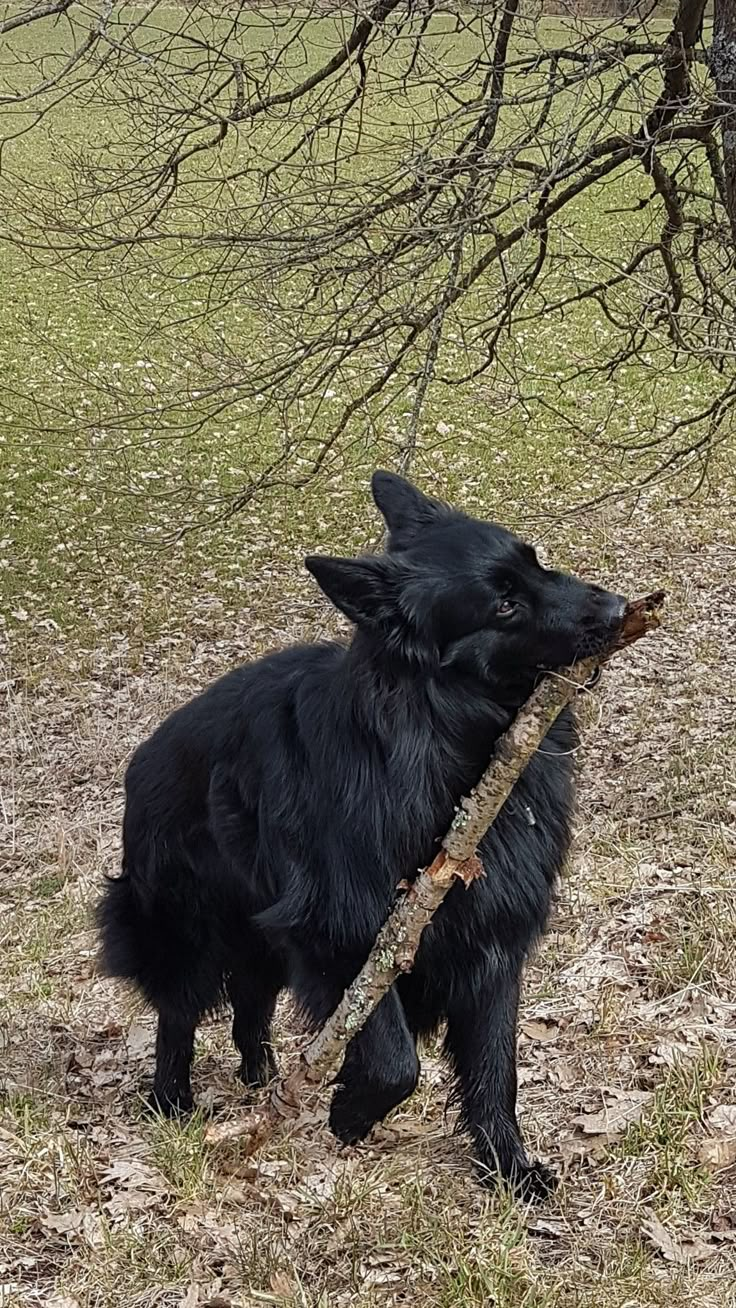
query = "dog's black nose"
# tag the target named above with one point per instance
(615, 610)
(607, 609)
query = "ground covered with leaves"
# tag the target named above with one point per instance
(628, 1033)
(112, 612)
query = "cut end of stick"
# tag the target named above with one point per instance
(640, 617)
(247, 1133)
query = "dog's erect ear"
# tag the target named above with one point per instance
(360, 588)
(405, 509)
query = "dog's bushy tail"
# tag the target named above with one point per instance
(121, 928)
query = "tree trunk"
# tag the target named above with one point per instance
(723, 68)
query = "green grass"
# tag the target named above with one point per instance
(664, 1138)
(90, 509)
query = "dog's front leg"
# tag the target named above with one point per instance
(481, 1046)
(380, 1070)
(381, 1067)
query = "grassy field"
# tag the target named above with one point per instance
(628, 1036)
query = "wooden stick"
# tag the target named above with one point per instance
(398, 940)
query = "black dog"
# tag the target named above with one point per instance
(269, 821)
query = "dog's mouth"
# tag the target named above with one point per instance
(597, 642)
(588, 645)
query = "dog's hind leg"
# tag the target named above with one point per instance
(181, 1002)
(254, 978)
(172, 1090)
(481, 1045)
(162, 940)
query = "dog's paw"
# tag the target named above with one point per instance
(534, 1183)
(258, 1071)
(171, 1106)
(347, 1122)
(526, 1181)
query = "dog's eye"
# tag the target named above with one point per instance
(505, 608)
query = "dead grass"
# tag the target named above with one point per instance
(628, 1041)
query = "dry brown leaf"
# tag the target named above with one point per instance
(282, 1285)
(543, 1032)
(698, 1250)
(564, 1074)
(218, 1134)
(136, 1187)
(68, 1223)
(138, 1041)
(724, 1222)
(381, 1271)
(676, 1249)
(547, 1226)
(134, 1175)
(574, 1148)
(287, 1202)
(105, 1070)
(75, 1221)
(723, 1119)
(321, 1185)
(669, 1053)
(132, 1201)
(237, 1192)
(620, 1111)
(718, 1153)
(659, 1237)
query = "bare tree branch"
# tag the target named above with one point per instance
(36, 14)
(391, 201)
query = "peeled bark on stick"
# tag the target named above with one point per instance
(398, 940)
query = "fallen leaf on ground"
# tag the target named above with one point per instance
(718, 1153)
(543, 1032)
(63, 1223)
(669, 1053)
(380, 1272)
(136, 1186)
(575, 1148)
(282, 1285)
(138, 1041)
(218, 1134)
(563, 1074)
(675, 1249)
(621, 1110)
(723, 1119)
(131, 1201)
(548, 1226)
(135, 1175)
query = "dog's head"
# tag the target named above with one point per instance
(465, 596)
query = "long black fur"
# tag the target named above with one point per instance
(269, 821)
